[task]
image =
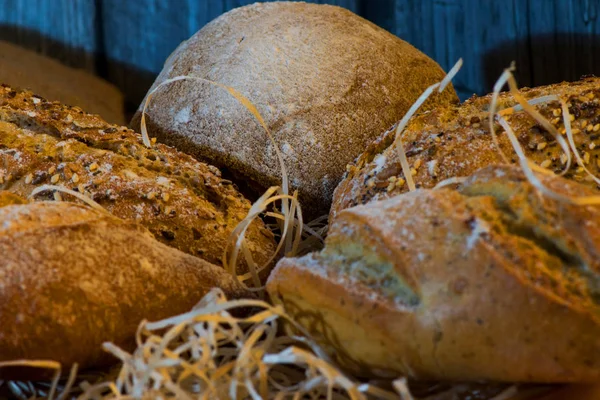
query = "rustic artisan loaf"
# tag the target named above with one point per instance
(26, 69)
(184, 203)
(455, 141)
(72, 278)
(326, 81)
(489, 282)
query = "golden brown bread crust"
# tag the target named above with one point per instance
(184, 203)
(326, 81)
(8, 198)
(491, 282)
(455, 141)
(72, 278)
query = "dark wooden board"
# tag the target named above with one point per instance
(485, 34)
(564, 40)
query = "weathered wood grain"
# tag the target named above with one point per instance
(127, 41)
(486, 34)
(63, 29)
(564, 39)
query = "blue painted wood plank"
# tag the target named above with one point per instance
(495, 35)
(486, 34)
(63, 29)
(128, 41)
(564, 39)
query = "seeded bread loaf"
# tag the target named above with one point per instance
(326, 81)
(184, 203)
(455, 141)
(491, 282)
(72, 278)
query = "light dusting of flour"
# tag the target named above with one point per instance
(287, 149)
(479, 228)
(183, 116)
(379, 162)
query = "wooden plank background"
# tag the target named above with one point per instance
(127, 41)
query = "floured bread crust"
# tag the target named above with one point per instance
(489, 282)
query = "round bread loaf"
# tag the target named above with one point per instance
(72, 278)
(491, 282)
(326, 81)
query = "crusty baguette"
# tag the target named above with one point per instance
(491, 282)
(455, 141)
(327, 82)
(184, 203)
(72, 278)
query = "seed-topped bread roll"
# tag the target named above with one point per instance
(492, 282)
(455, 141)
(72, 278)
(326, 81)
(184, 203)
